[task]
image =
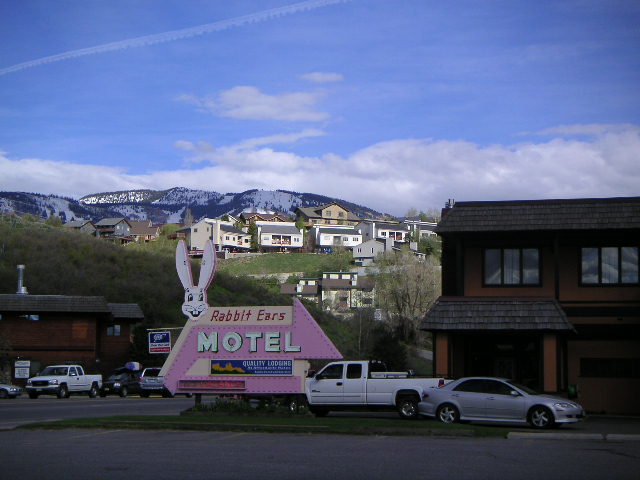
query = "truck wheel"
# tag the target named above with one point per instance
(408, 407)
(63, 392)
(33, 395)
(319, 411)
(93, 391)
(124, 392)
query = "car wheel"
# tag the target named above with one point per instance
(33, 395)
(447, 413)
(4, 394)
(124, 392)
(63, 392)
(408, 407)
(93, 391)
(541, 417)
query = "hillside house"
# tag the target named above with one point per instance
(327, 239)
(545, 292)
(248, 217)
(337, 292)
(84, 226)
(222, 233)
(420, 229)
(329, 214)
(365, 253)
(115, 229)
(144, 231)
(279, 237)
(51, 329)
(372, 229)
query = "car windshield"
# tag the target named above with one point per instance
(152, 372)
(117, 377)
(54, 371)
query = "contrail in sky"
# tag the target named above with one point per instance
(176, 34)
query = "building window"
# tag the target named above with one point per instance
(113, 331)
(328, 213)
(609, 265)
(341, 214)
(512, 266)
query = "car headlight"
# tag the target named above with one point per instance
(561, 405)
(13, 389)
(116, 385)
(29, 382)
(53, 382)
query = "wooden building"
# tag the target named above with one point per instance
(50, 329)
(545, 292)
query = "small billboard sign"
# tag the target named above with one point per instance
(159, 342)
(22, 368)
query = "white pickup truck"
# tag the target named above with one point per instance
(63, 380)
(363, 384)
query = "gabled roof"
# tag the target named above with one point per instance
(110, 222)
(316, 212)
(126, 310)
(52, 303)
(337, 231)
(231, 229)
(143, 228)
(527, 215)
(77, 223)
(280, 229)
(495, 313)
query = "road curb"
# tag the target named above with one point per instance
(610, 437)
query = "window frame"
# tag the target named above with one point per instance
(521, 270)
(599, 281)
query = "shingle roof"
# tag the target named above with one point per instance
(231, 229)
(279, 229)
(126, 310)
(316, 212)
(109, 222)
(339, 231)
(492, 313)
(52, 303)
(578, 214)
(68, 304)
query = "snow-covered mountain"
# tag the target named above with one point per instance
(167, 206)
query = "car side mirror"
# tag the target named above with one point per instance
(513, 393)
(311, 373)
(319, 376)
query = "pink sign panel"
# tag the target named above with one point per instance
(247, 349)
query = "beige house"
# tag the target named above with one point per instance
(223, 234)
(329, 214)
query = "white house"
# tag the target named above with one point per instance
(326, 239)
(279, 237)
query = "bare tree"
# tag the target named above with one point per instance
(406, 287)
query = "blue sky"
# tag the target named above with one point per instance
(393, 104)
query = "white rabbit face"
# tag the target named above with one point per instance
(195, 296)
(195, 303)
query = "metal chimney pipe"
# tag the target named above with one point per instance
(22, 290)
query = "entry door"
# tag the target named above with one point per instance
(354, 384)
(327, 387)
(501, 404)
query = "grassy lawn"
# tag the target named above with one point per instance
(280, 423)
(270, 263)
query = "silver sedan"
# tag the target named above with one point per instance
(496, 400)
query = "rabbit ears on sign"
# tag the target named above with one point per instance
(207, 266)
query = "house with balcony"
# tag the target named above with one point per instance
(328, 214)
(420, 229)
(117, 230)
(372, 229)
(338, 292)
(279, 237)
(232, 239)
(326, 239)
(546, 292)
(223, 234)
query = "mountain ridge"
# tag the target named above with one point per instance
(167, 206)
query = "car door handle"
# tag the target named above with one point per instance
(339, 383)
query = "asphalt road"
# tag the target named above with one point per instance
(116, 454)
(23, 410)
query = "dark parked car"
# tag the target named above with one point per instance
(497, 400)
(121, 382)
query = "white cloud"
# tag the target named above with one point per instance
(388, 176)
(322, 77)
(249, 103)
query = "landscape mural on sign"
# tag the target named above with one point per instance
(245, 349)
